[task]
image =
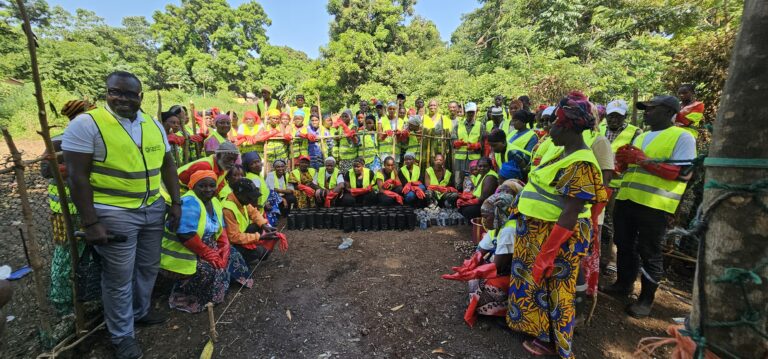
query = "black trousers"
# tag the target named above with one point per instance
(291, 199)
(470, 212)
(348, 200)
(638, 234)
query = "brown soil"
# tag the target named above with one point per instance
(383, 297)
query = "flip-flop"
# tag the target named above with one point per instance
(535, 347)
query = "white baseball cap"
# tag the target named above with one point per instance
(618, 106)
(548, 111)
(470, 106)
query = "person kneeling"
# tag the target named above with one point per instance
(358, 186)
(247, 229)
(410, 176)
(388, 184)
(199, 252)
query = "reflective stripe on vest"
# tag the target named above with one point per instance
(369, 149)
(520, 143)
(539, 198)
(263, 188)
(331, 181)
(385, 145)
(129, 176)
(250, 131)
(434, 182)
(624, 138)
(642, 187)
(300, 145)
(353, 178)
(541, 149)
(472, 137)
(479, 186)
(347, 150)
(177, 258)
(411, 176)
(296, 174)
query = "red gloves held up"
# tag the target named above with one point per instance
(393, 195)
(360, 191)
(545, 260)
(329, 197)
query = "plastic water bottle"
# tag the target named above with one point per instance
(423, 223)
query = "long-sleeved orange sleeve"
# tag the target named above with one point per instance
(233, 229)
(256, 216)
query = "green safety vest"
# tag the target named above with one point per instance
(300, 145)
(642, 187)
(411, 176)
(542, 149)
(433, 180)
(521, 142)
(275, 149)
(54, 201)
(624, 138)
(366, 178)
(430, 123)
(479, 186)
(174, 256)
(331, 182)
(129, 176)
(413, 146)
(217, 136)
(263, 188)
(241, 215)
(251, 131)
(346, 150)
(262, 108)
(296, 174)
(539, 198)
(385, 145)
(472, 137)
(380, 176)
(369, 148)
(208, 159)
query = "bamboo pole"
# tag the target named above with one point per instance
(35, 260)
(79, 312)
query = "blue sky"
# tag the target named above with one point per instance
(300, 24)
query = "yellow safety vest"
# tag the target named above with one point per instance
(542, 148)
(275, 149)
(642, 187)
(263, 188)
(129, 176)
(430, 123)
(434, 182)
(521, 142)
(331, 182)
(369, 148)
(296, 174)
(241, 215)
(208, 159)
(479, 186)
(353, 178)
(385, 145)
(300, 145)
(262, 108)
(472, 137)
(539, 198)
(624, 138)
(177, 258)
(411, 176)
(414, 145)
(346, 149)
(250, 131)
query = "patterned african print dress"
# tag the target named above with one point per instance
(530, 303)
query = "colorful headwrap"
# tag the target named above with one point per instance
(415, 121)
(575, 112)
(273, 113)
(473, 163)
(220, 117)
(254, 115)
(198, 175)
(298, 113)
(249, 157)
(500, 205)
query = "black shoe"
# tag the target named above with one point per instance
(152, 318)
(128, 348)
(618, 289)
(642, 308)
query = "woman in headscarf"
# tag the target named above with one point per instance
(223, 125)
(273, 134)
(235, 174)
(282, 188)
(246, 133)
(329, 182)
(302, 179)
(346, 147)
(410, 177)
(388, 184)
(438, 182)
(487, 271)
(358, 183)
(201, 235)
(253, 166)
(553, 233)
(487, 181)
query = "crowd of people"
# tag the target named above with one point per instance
(198, 194)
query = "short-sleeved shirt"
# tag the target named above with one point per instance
(273, 182)
(505, 241)
(339, 178)
(685, 148)
(190, 215)
(601, 148)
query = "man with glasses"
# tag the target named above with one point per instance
(117, 157)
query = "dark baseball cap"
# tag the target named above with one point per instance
(662, 100)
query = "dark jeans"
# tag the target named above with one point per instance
(291, 199)
(368, 199)
(470, 212)
(638, 234)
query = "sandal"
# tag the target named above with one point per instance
(538, 348)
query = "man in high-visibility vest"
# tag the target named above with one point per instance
(267, 103)
(466, 146)
(389, 126)
(692, 112)
(117, 157)
(653, 184)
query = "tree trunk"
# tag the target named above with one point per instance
(737, 234)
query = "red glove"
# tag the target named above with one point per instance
(467, 202)
(403, 135)
(307, 190)
(664, 170)
(630, 155)
(282, 244)
(419, 192)
(223, 243)
(329, 197)
(393, 195)
(311, 137)
(303, 135)
(449, 189)
(484, 271)
(545, 260)
(388, 183)
(360, 191)
(407, 188)
(458, 144)
(175, 139)
(436, 188)
(474, 146)
(63, 170)
(471, 263)
(287, 137)
(196, 138)
(196, 245)
(389, 133)
(466, 196)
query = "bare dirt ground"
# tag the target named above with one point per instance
(381, 298)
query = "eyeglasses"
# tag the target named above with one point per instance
(113, 92)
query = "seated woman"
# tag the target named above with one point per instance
(252, 165)
(358, 186)
(234, 175)
(487, 271)
(302, 178)
(488, 180)
(199, 251)
(438, 182)
(247, 229)
(410, 176)
(329, 183)
(281, 189)
(388, 184)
